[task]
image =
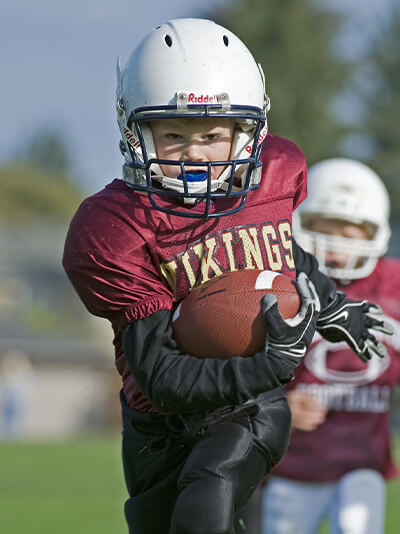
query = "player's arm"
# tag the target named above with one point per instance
(343, 319)
(177, 382)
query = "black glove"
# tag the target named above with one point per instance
(348, 320)
(292, 337)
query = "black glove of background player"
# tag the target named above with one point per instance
(348, 320)
(292, 337)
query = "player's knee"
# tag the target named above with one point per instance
(205, 524)
(189, 527)
(363, 502)
(204, 510)
(198, 529)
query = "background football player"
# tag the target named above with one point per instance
(339, 454)
(202, 195)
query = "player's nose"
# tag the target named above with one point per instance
(193, 152)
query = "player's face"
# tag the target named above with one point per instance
(193, 140)
(335, 227)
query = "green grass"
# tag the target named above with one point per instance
(67, 487)
(393, 500)
(77, 487)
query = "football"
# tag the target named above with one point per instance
(222, 318)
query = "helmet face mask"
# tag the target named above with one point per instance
(344, 191)
(358, 256)
(204, 59)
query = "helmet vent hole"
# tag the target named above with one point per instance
(168, 40)
(226, 40)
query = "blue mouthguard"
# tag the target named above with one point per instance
(194, 176)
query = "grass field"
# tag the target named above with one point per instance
(76, 487)
(69, 487)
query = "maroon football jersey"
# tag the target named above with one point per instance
(356, 432)
(127, 260)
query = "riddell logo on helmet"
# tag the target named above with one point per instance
(202, 99)
(131, 138)
(261, 137)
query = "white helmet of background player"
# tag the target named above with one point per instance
(191, 68)
(346, 190)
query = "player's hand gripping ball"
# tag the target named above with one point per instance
(222, 318)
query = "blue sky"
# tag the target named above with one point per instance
(58, 68)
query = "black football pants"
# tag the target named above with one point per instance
(186, 478)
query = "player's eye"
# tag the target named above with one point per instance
(173, 136)
(218, 134)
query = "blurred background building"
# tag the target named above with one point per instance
(332, 72)
(56, 360)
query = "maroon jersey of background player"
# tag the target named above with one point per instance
(357, 395)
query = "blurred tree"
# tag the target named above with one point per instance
(36, 298)
(47, 149)
(382, 119)
(293, 41)
(27, 193)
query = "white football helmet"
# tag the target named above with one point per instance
(346, 190)
(191, 68)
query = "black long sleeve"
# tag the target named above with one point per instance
(307, 263)
(175, 382)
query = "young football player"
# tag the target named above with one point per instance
(206, 190)
(339, 454)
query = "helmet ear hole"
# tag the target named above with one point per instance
(168, 40)
(226, 40)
